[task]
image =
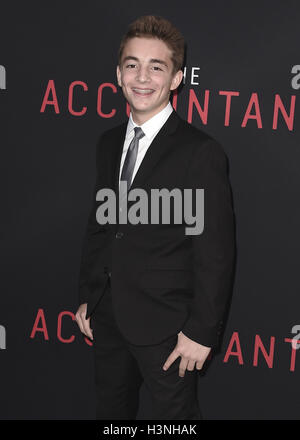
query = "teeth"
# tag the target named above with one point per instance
(143, 91)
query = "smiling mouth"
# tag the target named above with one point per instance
(142, 92)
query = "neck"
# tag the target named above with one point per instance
(140, 118)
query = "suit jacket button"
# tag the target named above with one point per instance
(119, 234)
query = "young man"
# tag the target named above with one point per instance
(152, 298)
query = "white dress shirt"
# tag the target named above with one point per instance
(150, 128)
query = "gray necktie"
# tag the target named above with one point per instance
(131, 156)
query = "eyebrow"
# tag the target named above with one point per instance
(152, 60)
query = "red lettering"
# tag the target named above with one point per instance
(174, 100)
(99, 100)
(59, 320)
(88, 341)
(259, 345)
(70, 98)
(202, 113)
(228, 104)
(288, 119)
(257, 116)
(234, 340)
(47, 101)
(40, 316)
(293, 354)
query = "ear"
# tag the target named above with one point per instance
(118, 72)
(177, 78)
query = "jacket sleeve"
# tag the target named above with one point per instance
(91, 226)
(214, 248)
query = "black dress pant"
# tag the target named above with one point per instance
(121, 368)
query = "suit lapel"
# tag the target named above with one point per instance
(159, 146)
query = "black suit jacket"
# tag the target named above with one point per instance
(162, 280)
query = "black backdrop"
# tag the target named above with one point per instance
(55, 50)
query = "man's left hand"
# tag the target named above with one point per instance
(191, 353)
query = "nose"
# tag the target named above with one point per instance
(142, 74)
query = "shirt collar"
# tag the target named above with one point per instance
(153, 124)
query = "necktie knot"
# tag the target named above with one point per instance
(138, 133)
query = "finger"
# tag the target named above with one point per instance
(79, 322)
(173, 356)
(182, 366)
(191, 365)
(87, 328)
(199, 365)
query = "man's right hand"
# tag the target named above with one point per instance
(84, 324)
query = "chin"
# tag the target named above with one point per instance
(141, 107)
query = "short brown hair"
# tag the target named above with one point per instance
(155, 26)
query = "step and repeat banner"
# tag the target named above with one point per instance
(58, 93)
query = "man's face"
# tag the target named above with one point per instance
(145, 75)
